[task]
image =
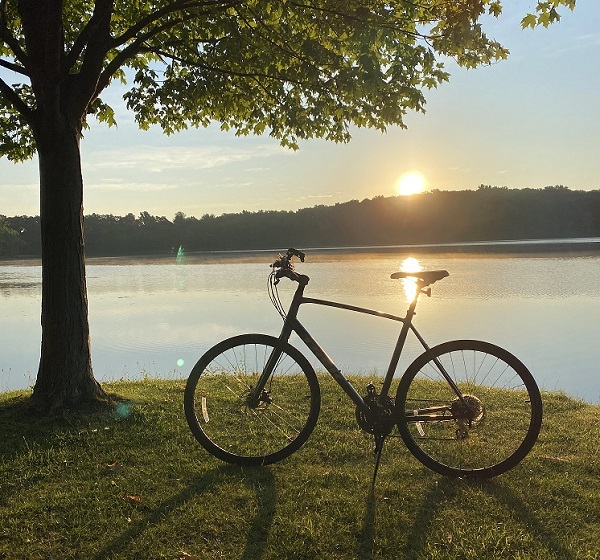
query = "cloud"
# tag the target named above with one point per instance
(130, 186)
(158, 159)
(589, 39)
(20, 186)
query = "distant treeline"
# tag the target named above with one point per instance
(488, 213)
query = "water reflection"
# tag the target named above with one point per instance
(19, 281)
(149, 315)
(410, 264)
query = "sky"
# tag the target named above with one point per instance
(527, 122)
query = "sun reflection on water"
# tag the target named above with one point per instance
(410, 264)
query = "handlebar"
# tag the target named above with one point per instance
(286, 267)
(284, 261)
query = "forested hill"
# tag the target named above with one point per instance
(488, 213)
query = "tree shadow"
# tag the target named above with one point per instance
(20, 431)
(441, 492)
(24, 433)
(23, 425)
(260, 480)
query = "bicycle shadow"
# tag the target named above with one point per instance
(260, 480)
(441, 493)
(367, 532)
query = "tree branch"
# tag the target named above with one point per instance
(135, 47)
(97, 42)
(218, 70)
(13, 98)
(102, 9)
(14, 67)
(357, 19)
(10, 40)
(178, 6)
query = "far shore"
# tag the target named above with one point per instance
(580, 245)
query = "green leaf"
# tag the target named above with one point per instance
(530, 20)
(495, 9)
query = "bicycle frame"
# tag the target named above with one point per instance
(292, 324)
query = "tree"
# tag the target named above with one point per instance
(291, 69)
(10, 242)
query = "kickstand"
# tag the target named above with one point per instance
(379, 441)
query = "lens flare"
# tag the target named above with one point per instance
(180, 258)
(123, 410)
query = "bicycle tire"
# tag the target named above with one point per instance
(486, 434)
(216, 405)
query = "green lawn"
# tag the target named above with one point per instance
(134, 484)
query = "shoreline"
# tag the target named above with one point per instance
(579, 245)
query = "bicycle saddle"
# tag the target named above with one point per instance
(426, 277)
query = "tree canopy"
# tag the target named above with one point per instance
(292, 69)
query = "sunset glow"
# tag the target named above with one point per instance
(410, 183)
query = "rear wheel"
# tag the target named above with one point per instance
(231, 427)
(484, 433)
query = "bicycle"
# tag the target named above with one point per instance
(463, 408)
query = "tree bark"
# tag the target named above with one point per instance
(65, 378)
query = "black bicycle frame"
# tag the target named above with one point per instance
(292, 324)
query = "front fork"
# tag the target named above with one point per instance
(259, 394)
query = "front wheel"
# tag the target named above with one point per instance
(481, 427)
(245, 431)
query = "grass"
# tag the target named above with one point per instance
(133, 484)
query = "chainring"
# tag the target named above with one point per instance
(382, 415)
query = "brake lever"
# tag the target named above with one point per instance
(280, 262)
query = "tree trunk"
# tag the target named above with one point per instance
(65, 378)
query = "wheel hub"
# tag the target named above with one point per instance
(468, 410)
(263, 398)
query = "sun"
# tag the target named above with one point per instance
(410, 183)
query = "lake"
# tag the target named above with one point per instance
(157, 316)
